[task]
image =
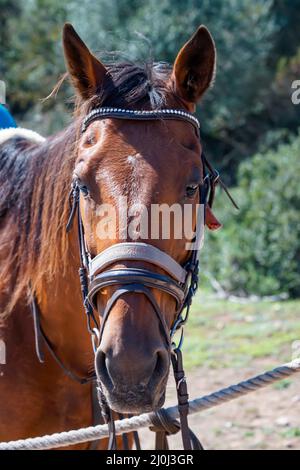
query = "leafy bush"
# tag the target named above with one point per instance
(257, 251)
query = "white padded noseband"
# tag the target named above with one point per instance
(136, 251)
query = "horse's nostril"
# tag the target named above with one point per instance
(102, 370)
(99, 360)
(162, 363)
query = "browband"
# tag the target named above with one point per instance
(120, 113)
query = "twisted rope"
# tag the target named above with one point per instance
(127, 425)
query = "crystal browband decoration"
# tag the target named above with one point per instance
(120, 113)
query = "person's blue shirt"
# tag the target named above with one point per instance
(6, 119)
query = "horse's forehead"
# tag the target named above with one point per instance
(134, 177)
(133, 149)
(134, 159)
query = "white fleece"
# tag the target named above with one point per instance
(11, 132)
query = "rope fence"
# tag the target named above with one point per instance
(144, 420)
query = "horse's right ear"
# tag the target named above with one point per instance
(87, 73)
(194, 67)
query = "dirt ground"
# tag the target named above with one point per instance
(266, 419)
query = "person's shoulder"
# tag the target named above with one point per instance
(6, 119)
(3, 109)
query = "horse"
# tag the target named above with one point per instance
(154, 161)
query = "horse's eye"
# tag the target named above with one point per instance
(84, 190)
(191, 190)
(90, 140)
(82, 187)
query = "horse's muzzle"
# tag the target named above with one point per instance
(133, 387)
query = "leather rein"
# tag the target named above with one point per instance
(180, 282)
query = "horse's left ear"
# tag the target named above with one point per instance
(194, 67)
(86, 71)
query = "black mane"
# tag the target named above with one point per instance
(128, 85)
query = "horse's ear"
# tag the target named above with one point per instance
(194, 67)
(87, 73)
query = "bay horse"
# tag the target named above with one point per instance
(150, 162)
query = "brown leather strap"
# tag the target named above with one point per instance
(163, 426)
(183, 397)
(96, 415)
(215, 179)
(124, 436)
(38, 338)
(112, 439)
(161, 441)
(136, 440)
(41, 338)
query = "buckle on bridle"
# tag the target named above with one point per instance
(73, 203)
(216, 176)
(178, 324)
(181, 381)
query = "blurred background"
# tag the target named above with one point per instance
(246, 315)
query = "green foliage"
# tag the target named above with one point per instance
(242, 30)
(141, 30)
(291, 433)
(250, 39)
(283, 384)
(257, 251)
(288, 38)
(31, 58)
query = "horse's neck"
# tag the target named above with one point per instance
(63, 317)
(46, 259)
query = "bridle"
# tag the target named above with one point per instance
(178, 281)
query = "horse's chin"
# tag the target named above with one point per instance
(132, 402)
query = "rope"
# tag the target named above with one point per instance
(128, 425)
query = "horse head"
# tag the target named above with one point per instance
(130, 164)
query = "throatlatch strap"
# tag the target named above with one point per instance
(40, 337)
